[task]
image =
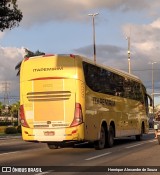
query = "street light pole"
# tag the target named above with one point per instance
(93, 26)
(153, 84)
(129, 55)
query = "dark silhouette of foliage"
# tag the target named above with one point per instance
(32, 54)
(28, 54)
(10, 15)
(11, 130)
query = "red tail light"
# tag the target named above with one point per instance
(72, 56)
(26, 59)
(22, 117)
(78, 117)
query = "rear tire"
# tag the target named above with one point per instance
(100, 144)
(52, 146)
(140, 136)
(110, 137)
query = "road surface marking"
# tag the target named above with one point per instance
(49, 171)
(134, 145)
(141, 143)
(153, 140)
(35, 149)
(95, 157)
(10, 152)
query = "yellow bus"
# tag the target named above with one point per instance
(68, 99)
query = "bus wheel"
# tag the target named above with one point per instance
(139, 137)
(100, 144)
(52, 146)
(110, 137)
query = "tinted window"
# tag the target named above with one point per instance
(105, 81)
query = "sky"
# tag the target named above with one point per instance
(64, 27)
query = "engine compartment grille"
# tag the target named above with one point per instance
(48, 96)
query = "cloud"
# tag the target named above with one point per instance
(9, 57)
(106, 54)
(145, 49)
(116, 57)
(40, 11)
(48, 10)
(145, 38)
(2, 34)
(156, 24)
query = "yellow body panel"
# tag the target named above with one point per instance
(49, 89)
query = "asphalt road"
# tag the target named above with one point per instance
(125, 153)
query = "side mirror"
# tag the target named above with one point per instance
(150, 99)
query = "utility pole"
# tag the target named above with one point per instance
(153, 84)
(5, 86)
(129, 54)
(93, 26)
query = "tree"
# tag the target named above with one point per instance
(10, 15)
(14, 109)
(1, 106)
(28, 54)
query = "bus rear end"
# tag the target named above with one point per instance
(51, 100)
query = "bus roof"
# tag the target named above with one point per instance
(118, 71)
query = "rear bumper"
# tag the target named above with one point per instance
(54, 135)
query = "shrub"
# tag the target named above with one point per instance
(19, 129)
(10, 130)
(5, 123)
(2, 129)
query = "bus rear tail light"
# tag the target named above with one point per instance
(78, 117)
(72, 56)
(22, 117)
(27, 58)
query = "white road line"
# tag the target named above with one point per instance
(49, 171)
(95, 157)
(10, 153)
(42, 173)
(101, 155)
(134, 145)
(153, 140)
(35, 149)
(141, 143)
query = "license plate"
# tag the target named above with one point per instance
(49, 133)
